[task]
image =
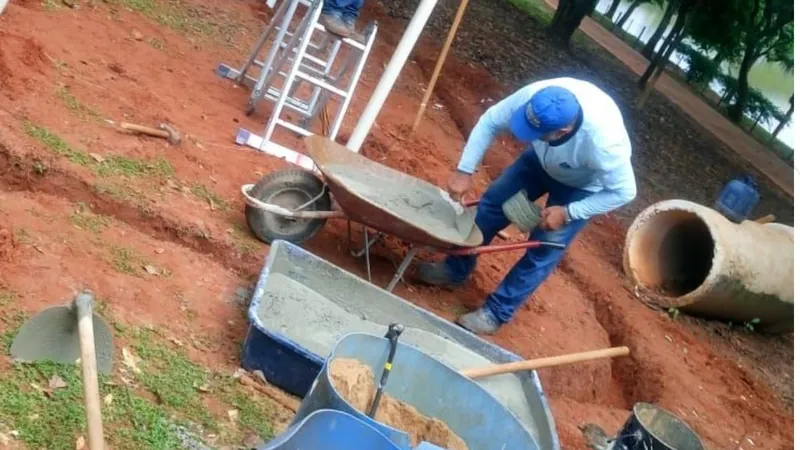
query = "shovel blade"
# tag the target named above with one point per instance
(52, 335)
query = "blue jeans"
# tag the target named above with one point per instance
(347, 10)
(537, 263)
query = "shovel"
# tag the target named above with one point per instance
(64, 334)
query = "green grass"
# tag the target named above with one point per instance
(56, 144)
(84, 219)
(207, 195)
(142, 410)
(126, 260)
(187, 19)
(535, 8)
(7, 297)
(117, 165)
(74, 105)
(112, 165)
(243, 240)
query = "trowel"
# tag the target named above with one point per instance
(463, 221)
(66, 334)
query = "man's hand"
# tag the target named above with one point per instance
(553, 218)
(458, 185)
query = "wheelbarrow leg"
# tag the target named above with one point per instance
(403, 266)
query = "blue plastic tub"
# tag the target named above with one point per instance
(293, 368)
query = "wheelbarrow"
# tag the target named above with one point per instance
(294, 204)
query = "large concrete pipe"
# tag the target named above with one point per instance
(686, 256)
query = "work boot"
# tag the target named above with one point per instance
(480, 321)
(436, 274)
(334, 24)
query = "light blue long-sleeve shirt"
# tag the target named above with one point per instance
(597, 158)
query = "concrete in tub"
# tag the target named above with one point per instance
(312, 304)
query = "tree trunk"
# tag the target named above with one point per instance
(784, 119)
(736, 110)
(625, 17)
(612, 9)
(755, 122)
(568, 17)
(661, 59)
(660, 63)
(650, 47)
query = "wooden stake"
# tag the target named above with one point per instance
(442, 56)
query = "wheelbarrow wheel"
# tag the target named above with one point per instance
(290, 189)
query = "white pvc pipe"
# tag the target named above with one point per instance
(390, 74)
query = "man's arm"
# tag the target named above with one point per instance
(492, 122)
(619, 189)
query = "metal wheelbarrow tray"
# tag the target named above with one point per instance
(368, 193)
(292, 331)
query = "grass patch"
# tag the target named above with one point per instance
(126, 260)
(204, 193)
(113, 165)
(12, 322)
(23, 236)
(141, 410)
(536, 9)
(187, 19)
(74, 105)
(117, 165)
(56, 144)
(84, 219)
(243, 240)
(157, 44)
(7, 297)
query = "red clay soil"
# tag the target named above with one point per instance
(187, 225)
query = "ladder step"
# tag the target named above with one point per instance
(301, 131)
(324, 85)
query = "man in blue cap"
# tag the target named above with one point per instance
(579, 155)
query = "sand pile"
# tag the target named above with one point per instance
(355, 382)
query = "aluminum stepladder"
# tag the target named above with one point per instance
(313, 66)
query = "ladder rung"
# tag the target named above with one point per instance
(324, 85)
(295, 128)
(348, 41)
(297, 105)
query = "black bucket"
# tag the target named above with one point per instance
(653, 428)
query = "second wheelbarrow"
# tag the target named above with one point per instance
(294, 204)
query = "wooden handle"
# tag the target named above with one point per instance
(442, 56)
(91, 388)
(145, 130)
(534, 364)
(769, 218)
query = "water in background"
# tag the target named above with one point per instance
(775, 83)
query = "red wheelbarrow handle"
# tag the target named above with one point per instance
(502, 248)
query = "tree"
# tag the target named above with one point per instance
(568, 17)
(612, 9)
(650, 76)
(675, 36)
(628, 13)
(784, 120)
(767, 31)
(650, 48)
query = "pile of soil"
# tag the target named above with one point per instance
(355, 382)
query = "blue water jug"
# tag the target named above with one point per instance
(738, 199)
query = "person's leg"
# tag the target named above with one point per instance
(351, 11)
(490, 219)
(532, 269)
(333, 17)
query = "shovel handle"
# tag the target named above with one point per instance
(144, 130)
(91, 389)
(533, 364)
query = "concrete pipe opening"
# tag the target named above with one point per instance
(672, 253)
(687, 256)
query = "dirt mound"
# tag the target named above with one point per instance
(7, 245)
(355, 382)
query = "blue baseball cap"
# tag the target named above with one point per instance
(550, 109)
